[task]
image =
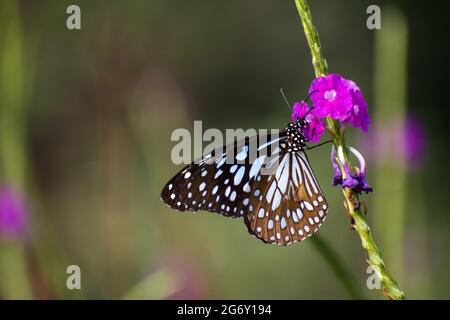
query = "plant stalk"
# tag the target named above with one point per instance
(351, 199)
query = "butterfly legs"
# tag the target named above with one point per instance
(318, 145)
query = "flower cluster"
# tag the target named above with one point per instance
(340, 99)
(335, 97)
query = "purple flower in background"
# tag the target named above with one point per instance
(191, 280)
(315, 128)
(13, 214)
(402, 142)
(413, 142)
(341, 99)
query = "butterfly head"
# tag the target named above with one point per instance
(295, 133)
(300, 124)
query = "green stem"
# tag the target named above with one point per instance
(351, 199)
(319, 63)
(341, 271)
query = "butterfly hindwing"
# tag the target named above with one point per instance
(287, 206)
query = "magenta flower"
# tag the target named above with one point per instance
(358, 115)
(13, 214)
(341, 99)
(315, 128)
(331, 96)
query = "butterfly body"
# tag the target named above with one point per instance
(272, 188)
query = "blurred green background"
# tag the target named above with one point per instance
(85, 124)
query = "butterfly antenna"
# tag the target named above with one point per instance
(306, 101)
(285, 99)
(310, 94)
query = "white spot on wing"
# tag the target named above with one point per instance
(261, 213)
(218, 173)
(239, 175)
(308, 206)
(243, 154)
(220, 162)
(299, 214)
(271, 191)
(256, 166)
(276, 201)
(227, 191)
(283, 223)
(268, 143)
(295, 217)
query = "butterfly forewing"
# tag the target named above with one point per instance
(219, 182)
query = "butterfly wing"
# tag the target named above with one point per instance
(221, 181)
(289, 205)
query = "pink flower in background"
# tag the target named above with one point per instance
(191, 282)
(413, 142)
(13, 214)
(403, 142)
(315, 128)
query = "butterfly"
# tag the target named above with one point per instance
(273, 189)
